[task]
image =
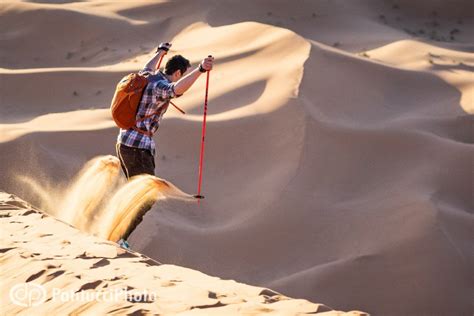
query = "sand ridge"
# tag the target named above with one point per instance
(51, 254)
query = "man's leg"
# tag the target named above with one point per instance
(136, 161)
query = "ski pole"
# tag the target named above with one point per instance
(161, 58)
(201, 159)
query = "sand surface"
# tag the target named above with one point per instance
(339, 148)
(71, 266)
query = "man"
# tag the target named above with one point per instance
(135, 146)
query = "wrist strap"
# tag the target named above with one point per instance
(201, 69)
(164, 49)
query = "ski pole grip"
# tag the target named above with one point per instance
(209, 56)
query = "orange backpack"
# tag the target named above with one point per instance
(126, 100)
(127, 96)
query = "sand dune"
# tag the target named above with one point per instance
(339, 149)
(52, 256)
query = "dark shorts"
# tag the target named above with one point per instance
(135, 161)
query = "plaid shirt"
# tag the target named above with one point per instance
(156, 97)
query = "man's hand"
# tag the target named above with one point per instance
(206, 64)
(164, 47)
(161, 51)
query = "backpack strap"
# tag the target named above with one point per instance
(141, 131)
(147, 133)
(157, 112)
(177, 107)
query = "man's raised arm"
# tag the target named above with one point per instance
(162, 49)
(187, 81)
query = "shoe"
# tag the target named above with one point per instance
(123, 244)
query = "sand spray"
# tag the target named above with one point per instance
(41, 190)
(131, 199)
(85, 194)
(100, 201)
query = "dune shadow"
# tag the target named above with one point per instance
(239, 56)
(235, 98)
(458, 66)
